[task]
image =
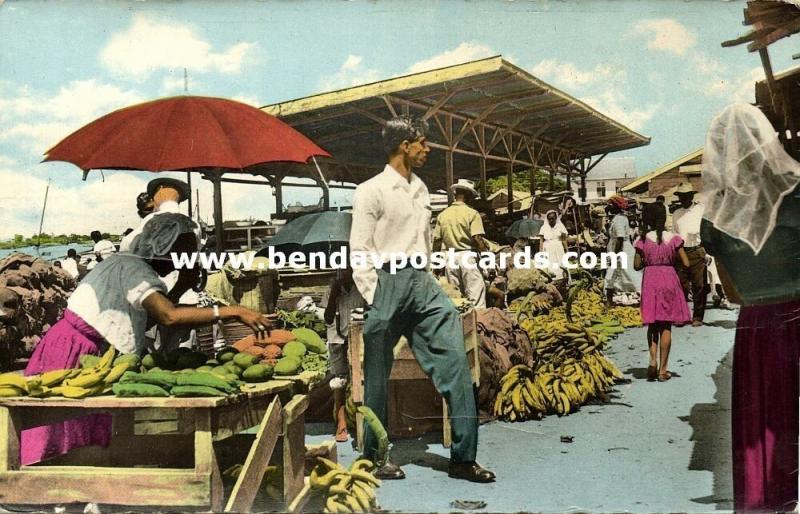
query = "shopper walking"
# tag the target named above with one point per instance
(686, 223)
(554, 243)
(751, 226)
(662, 300)
(620, 279)
(391, 215)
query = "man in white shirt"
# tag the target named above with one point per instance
(103, 248)
(70, 264)
(391, 215)
(686, 223)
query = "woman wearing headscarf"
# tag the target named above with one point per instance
(110, 307)
(751, 225)
(620, 279)
(554, 242)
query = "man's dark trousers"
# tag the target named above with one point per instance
(411, 303)
(694, 279)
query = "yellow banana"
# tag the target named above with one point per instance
(364, 495)
(325, 481)
(89, 379)
(352, 502)
(333, 506)
(330, 464)
(107, 360)
(10, 391)
(366, 477)
(81, 392)
(14, 379)
(55, 377)
(361, 465)
(115, 373)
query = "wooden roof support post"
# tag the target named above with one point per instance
(449, 173)
(484, 185)
(214, 176)
(510, 186)
(582, 171)
(278, 188)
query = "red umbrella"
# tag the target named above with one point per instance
(185, 133)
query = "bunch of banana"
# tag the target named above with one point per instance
(519, 398)
(13, 384)
(346, 490)
(92, 380)
(531, 305)
(628, 316)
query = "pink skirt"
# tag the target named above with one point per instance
(765, 407)
(61, 348)
(662, 296)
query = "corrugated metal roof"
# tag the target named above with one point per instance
(490, 94)
(663, 169)
(611, 168)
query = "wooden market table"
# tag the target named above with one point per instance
(124, 479)
(406, 367)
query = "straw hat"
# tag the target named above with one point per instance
(684, 188)
(465, 185)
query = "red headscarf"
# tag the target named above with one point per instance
(619, 202)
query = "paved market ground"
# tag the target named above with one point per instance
(657, 447)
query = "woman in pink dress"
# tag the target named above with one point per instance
(663, 302)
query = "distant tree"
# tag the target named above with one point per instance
(521, 182)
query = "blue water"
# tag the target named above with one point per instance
(48, 253)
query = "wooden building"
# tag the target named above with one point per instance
(664, 180)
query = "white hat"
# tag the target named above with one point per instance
(466, 185)
(684, 188)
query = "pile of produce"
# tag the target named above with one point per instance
(629, 317)
(288, 352)
(179, 373)
(522, 281)
(536, 302)
(33, 296)
(462, 304)
(345, 490)
(300, 319)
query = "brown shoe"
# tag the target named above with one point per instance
(697, 323)
(389, 471)
(471, 471)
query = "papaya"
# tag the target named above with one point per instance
(272, 351)
(131, 359)
(220, 370)
(294, 349)
(233, 368)
(88, 360)
(257, 373)
(244, 360)
(280, 337)
(287, 366)
(310, 339)
(225, 354)
(244, 343)
(148, 361)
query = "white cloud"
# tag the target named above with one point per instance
(465, 52)
(666, 35)
(351, 73)
(148, 45)
(567, 74)
(611, 103)
(248, 99)
(37, 121)
(705, 65)
(739, 88)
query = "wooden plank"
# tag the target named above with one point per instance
(118, 486)
(156, 427)
(205, 460)
(230, 420)
(246, 487)
(9, 439)
(123, 423)
(294, 450)
(299, 502)
(170, 451)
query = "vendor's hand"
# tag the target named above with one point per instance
(258, 323)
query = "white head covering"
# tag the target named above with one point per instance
(746, 175)
(160, 233)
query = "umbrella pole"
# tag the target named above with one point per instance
(214, 177)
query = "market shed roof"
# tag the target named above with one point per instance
(487, 109)
(641, 182)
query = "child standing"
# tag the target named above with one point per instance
(342, 298)
(663, 302)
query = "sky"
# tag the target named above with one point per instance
(655, 65)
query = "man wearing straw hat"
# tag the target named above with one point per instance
(686, 223)
(391, 216)
(460, 227)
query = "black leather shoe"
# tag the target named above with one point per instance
(389, 471)
(471, 471)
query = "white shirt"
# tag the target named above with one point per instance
(104, 247)
(71, 267)
(390, 215)
(110, 300)
(686, 223)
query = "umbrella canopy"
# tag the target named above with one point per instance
(311, 229)
(183, 133)
(524, 228)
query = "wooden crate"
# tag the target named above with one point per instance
(405, 420)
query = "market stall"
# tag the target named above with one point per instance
(123, 479)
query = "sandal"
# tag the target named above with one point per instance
(663, 377)
(652, 373)
(342, 436)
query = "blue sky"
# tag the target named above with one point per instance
(655, 65)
